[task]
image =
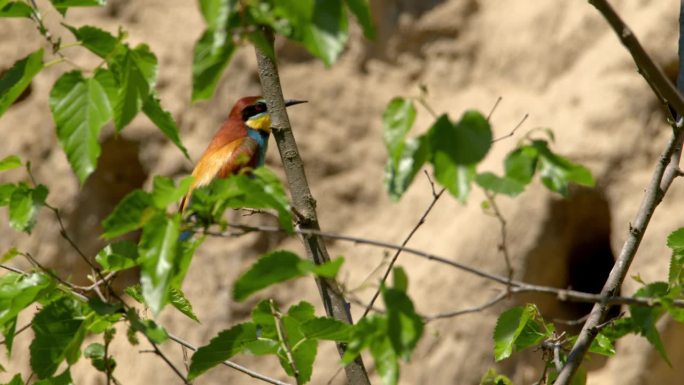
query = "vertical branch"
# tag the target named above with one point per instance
(302, 200)
(665, 172)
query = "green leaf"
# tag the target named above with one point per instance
(222, 347)
(361, 10)
(466, 142)
(178, 300)
(16, 79)
(404, 325)
(500, 185)
(80, 108)
(15, 9)
(62, 379)
(271, 268)
(494, 378)
(399, 279)
(135, 292)
(456, 179)
(211, 55)
(557, 172)
(136, 74)
(216, 12)
(94, 350)
(320, 25)
(516, 328)
(24, 205)
(16, 380)
(400, 174)
(96, 353)
(645, 318)
(260, 42)
(324, 328)
(8, 330)
(164, 192)
(675, 240)
(263, 190)
(132, 212)
(386, 362)
(56, 328)
(398, 118)
(521, 163)
(164, 121)
(149, 328)
(62, 5)
(19, 291)
(158, 252)
(328, 269)
(303, 350)
(10, 162)
(118, 256)
(96, 40)
(603, 345)
(6, 191)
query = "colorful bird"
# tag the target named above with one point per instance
(239, 144)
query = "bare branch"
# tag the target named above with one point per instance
(503, 246)
(500, 297)
(520, 123)
(435, 198)
(303, 202)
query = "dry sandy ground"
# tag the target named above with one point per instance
(554, 60)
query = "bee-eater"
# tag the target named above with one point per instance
(239, 144)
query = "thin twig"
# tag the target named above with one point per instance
(283, 341)
(516, 286)
(496, 104)
(18, 331)
(500, 297)
(167, 361)
(520, 123)
(503, 246)
(421, 221)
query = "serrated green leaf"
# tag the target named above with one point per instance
(404, 325)
(135, 292)
(271, 268)
(500, 185)
(62, 379)
(361, 10)
(178, 300)
(63, 5)
(263, 190)
(644, 318)
(521, 164)
(96, 40)
(158, 256)
(19, 291)
(210, 57)
(136, 74)
(457, 179)
(80, 108)
(132, 213)
(56, 329)
(118, 256)
(303, 350)
(675, 240)
(400, 174)
(164, 121)
(10, 162)
(225, 345)
(466, 142)
(165, 192)
(324, 328)
(24, 204)
(17, 78)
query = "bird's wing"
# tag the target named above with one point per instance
(221, 162)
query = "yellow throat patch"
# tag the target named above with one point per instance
(262, 122)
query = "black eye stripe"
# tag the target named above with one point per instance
(252, 110)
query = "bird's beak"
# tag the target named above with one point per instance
(292, 102)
